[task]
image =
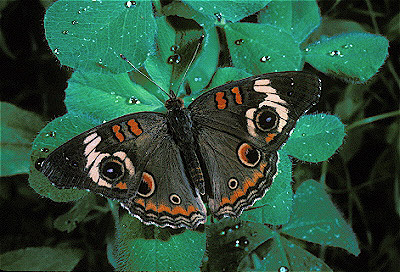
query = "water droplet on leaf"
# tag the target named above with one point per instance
(239, 42)
(265, 58)
(74, 22)
(45, 150)
(56, 51)
(174, 59)
(130, 4)
(174, 47)
(51, 134)
(65, 32)
(38, 163)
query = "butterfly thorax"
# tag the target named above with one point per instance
(180, 125)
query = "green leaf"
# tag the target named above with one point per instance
(139, 247)
(262, 48)
(284, 254)
(315, 138)
(300, 18)
(353, 56)
(41, 259)
(276, 206)
(90, 35)
(331, 27)
(316, 219)
(68, 221)
(92, 93)
(18, 128)
(231, 10)
(231, 240)
(53, 135)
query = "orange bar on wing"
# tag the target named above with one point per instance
(118, 134)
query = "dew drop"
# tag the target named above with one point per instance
(218, 16)
(45, 150)
(56, 51)
(222, 233)
(174, 47)
(283, 269)
(239, 42)
(303, 134)
(65, 32)
(174, 59)
(51, 134)
(130, 4)
(265, 58)
(349, 45)
(112, 92)
(335, 53)
(74, 22)
(133, 100)
(39, 163)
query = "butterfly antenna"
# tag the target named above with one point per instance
(191, 61)
(143, 74)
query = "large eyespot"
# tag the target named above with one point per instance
(112, 169)
(248, 155)
(147, 185)
(266, 119)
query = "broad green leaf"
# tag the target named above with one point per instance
(157, 65)
(50, 137)
(41, 259)
(286, 256)
(139, 247)
(226, 74)
(18, 127)
(231, 10)
(353, 56)
(276, 205)
(262, 48)
(316, 219)
(231, 240)
(106, 96)
(315, 138)
(68, 221)
(331, 27)
(300, 18)
(90, 35)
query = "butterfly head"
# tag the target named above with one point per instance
(174, 103)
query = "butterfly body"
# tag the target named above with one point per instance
(222, 149)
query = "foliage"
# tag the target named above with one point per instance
(89, 36)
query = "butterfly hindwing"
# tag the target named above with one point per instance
(239, 174)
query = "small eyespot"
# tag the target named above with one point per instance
(248, 155)
(112, 169)
(175, 199)
(233, 183)
(266, 120)
(147, 185)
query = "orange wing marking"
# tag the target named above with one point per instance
(238, 95)
(118, 134)
(163, 208)
(121, 185)
(221, 101)
(134, 127)
(270, 137)
(250, 182)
